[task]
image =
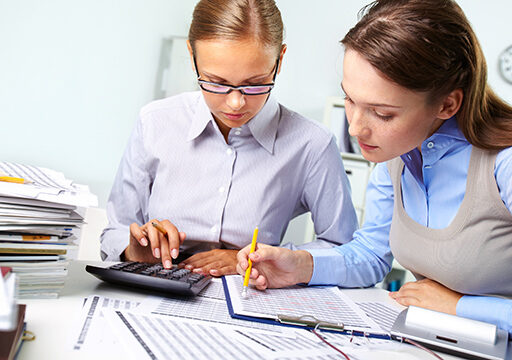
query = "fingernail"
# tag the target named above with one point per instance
(255, 257)
(157, 253)
(189, 267)
(144, 242)
(174, 253)
(168, 264)
(198, 270)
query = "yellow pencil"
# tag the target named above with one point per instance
(248, 271)
(13, 179)
(159, 227)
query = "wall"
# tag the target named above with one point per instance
(74, 74)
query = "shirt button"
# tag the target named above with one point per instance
(238, 132)
(213, 230)
(430, 144)
(428, 166)
(229, 151)
(222, 189)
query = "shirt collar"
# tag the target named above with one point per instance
(202, 116)
(450, 129)
(263, 125)
(447, 136)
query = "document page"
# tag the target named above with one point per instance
(326, 304)
(200, 308)
(91, 334)
(165, 337)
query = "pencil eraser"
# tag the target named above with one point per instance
(244, 293)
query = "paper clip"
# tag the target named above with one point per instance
(310, 321)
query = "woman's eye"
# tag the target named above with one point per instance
(382, 116)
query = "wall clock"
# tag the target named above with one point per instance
(505, 64)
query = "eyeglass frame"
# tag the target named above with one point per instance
(232, 88)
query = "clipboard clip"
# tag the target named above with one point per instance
(309, 321)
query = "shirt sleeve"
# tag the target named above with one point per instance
(327, 195)
(128, 199)
(489, 309)
(367, 258)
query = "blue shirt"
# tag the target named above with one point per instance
(433, 186)
(178, 166)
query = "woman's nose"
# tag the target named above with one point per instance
(357, 124)
(235, 100)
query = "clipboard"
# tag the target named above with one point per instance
(305, 321)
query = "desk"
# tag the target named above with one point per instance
(52, 319)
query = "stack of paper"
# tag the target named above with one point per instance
(41, 213)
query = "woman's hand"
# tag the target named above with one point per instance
(275, 267)
(215, 262)
(147, 244)
(428, 294)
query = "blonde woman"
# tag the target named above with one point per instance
(209, 166)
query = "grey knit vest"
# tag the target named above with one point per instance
(473, 254)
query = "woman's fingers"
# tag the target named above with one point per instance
(138, 234)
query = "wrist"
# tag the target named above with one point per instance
(125, 255)
(305, 266)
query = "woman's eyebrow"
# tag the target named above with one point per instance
(374, 104)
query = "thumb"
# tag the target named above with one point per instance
(266, 253)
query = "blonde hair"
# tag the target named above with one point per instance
(237, 20)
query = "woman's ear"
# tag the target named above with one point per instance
(281, 54)
(191, 53)
(451, 104)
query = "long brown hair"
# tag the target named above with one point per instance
(237, 20)
(429, 46)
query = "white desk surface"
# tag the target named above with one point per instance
(51, 320)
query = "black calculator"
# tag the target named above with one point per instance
(152, 277)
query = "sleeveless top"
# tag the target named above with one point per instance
(473, 254)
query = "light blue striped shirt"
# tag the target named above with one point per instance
(431, 197)
(178, 166)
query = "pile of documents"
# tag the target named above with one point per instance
(41, 213)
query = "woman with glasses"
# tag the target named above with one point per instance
(440, 197)
(210, 166)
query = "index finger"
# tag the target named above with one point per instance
(242, 257)
(173, 237)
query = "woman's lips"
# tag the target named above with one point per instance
(366, 146)
(234, 117)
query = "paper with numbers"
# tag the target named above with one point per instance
(325, 304)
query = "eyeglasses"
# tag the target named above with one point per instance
(217, 88)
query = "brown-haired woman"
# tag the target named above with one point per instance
(440, 199)
(216, 163)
